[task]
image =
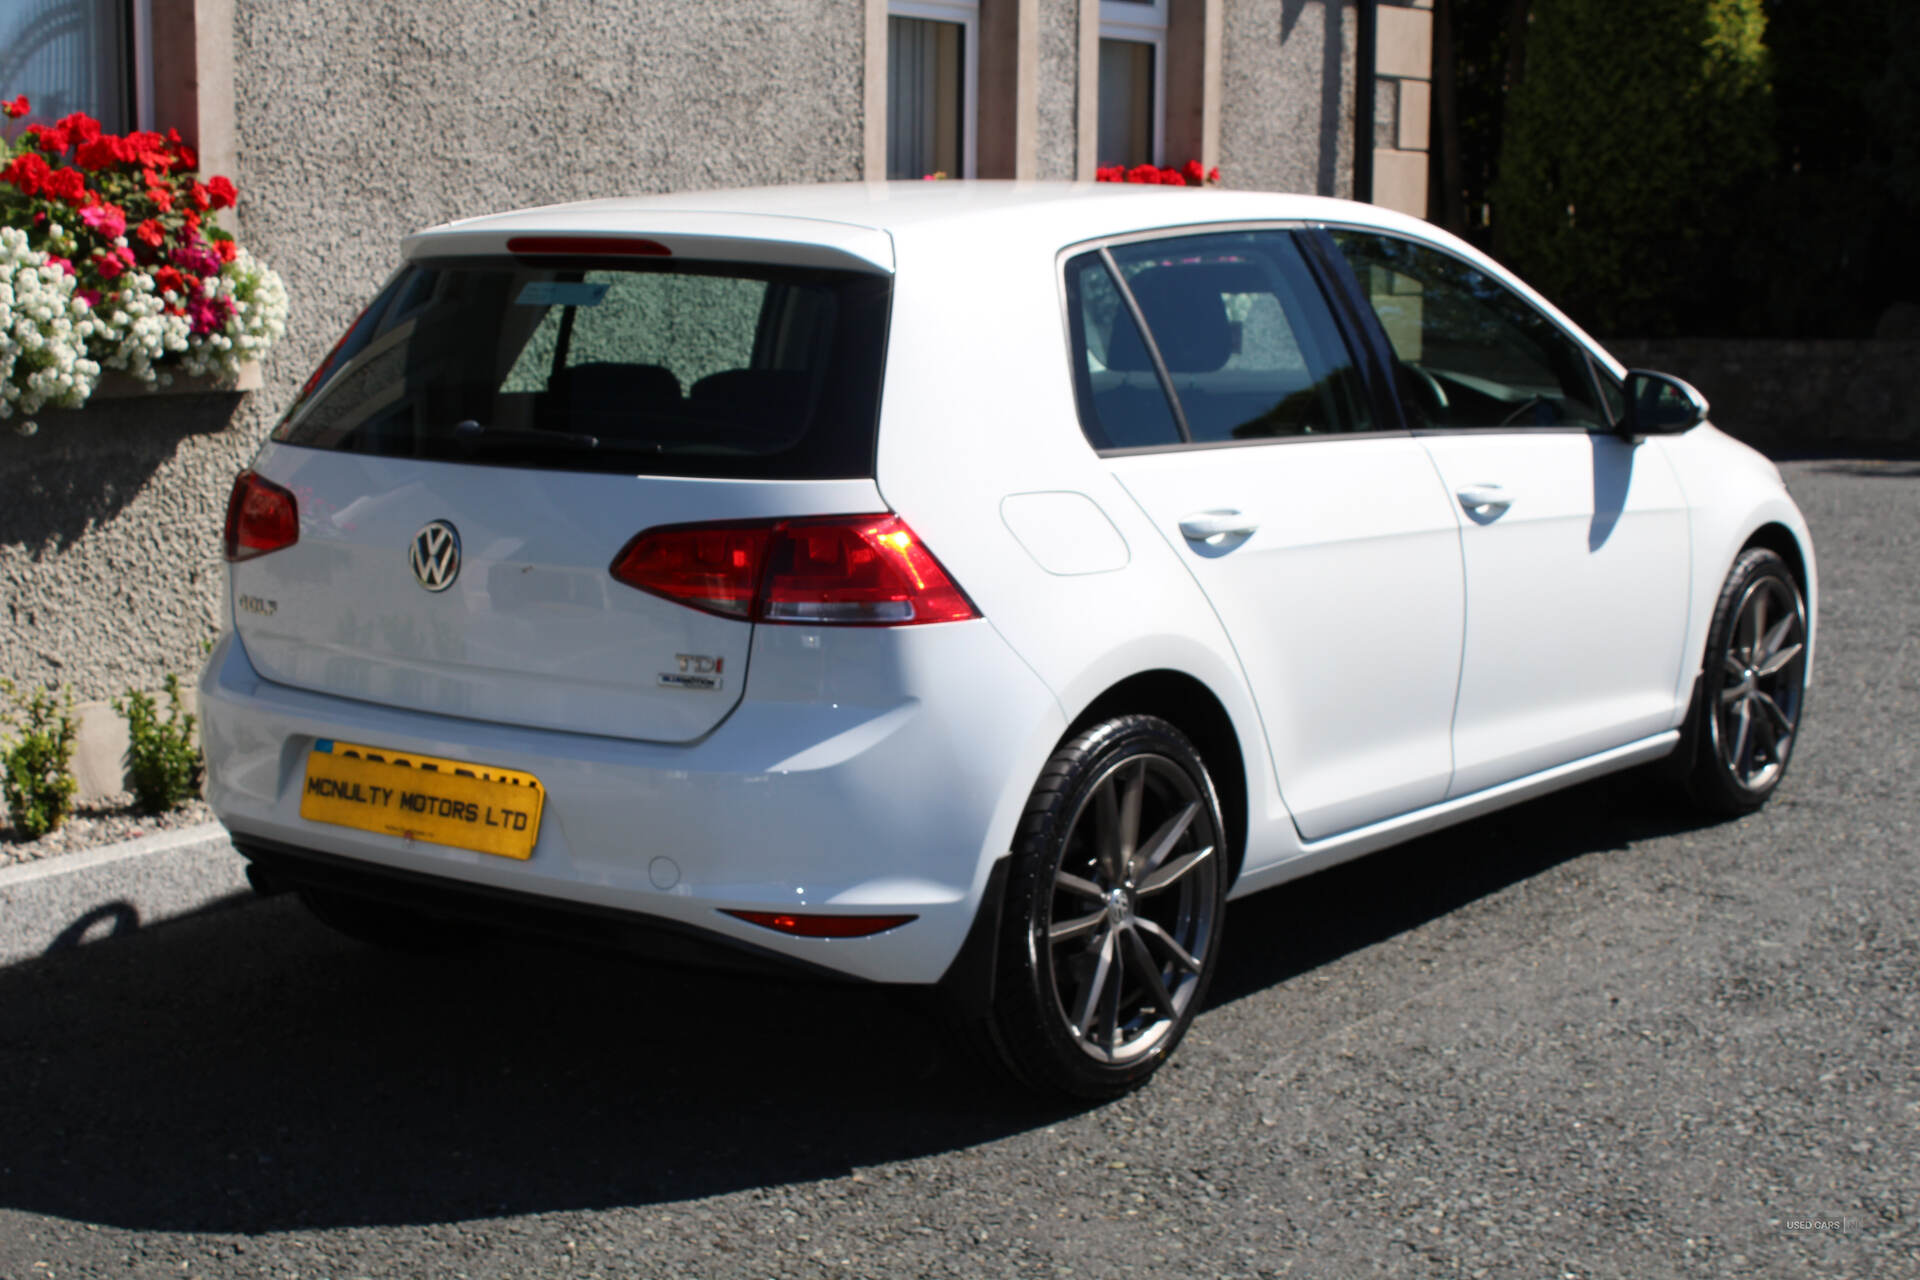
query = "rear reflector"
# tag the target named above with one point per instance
(261, 517)
(589, 246)
(838, 571)
(808, 926)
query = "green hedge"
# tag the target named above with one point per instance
(1638, 131)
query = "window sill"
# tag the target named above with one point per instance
(114, 385)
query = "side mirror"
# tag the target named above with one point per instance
(1660, 404)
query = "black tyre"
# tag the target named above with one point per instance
(1111, 927)
(1746, 713)
(385, 925)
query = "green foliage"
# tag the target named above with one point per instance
(162, 763)
(1831, 241)
(39, 783)
(1637, 132)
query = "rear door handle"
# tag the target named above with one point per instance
(1485, 500)
(1215, 527)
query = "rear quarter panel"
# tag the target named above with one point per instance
(978, 406)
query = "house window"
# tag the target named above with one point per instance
(1133, 58)
(932, 55)
(75, 55)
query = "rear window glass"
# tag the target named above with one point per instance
(666, 369)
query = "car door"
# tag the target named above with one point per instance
(1240, 422)
(1574, 537)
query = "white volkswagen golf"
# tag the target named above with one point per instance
(968, 585)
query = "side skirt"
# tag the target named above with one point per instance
(1321, 854)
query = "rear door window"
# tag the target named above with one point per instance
(680, 369)
(1249, 347)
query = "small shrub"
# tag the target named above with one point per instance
(162, 763)
(1631, 150)
(39, 783)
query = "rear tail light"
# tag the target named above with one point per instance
(800, 925)
(261, 517)
(842, 570)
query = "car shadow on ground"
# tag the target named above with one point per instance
(246, 1071)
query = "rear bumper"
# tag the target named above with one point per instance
(886, 780)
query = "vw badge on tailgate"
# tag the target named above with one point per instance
(436, 555)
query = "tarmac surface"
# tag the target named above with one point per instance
(1585, 1037)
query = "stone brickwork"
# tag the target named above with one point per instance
(1403, 93)
(1798, 397)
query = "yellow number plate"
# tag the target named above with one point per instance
(449, 802)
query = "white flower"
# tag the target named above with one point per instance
(42, 354)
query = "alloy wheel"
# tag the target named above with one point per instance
(1756, 711)
(1133, 901)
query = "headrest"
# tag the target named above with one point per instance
(612, 384)
(753, 389)
(1187, 312)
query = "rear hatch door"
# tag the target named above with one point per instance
(479, 448)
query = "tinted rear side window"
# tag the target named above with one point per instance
(1247, 338)
(662, 369)
(1123, 404)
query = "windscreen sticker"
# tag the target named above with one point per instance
(561, 293)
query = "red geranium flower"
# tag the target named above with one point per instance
(185, 158)
(1143, 173)
(16, 108)
(28, 172)
(1193, 173)
(81, 127)
(221, 191)
(1172, 178)
(100, 153)
(150, 150)
(227, 250)
(198, 197)
(51, 139)
(68, 185)
(1213, 174)
(162, 197)
(150, 232)
(169, 278)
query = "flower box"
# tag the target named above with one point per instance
(113, 271)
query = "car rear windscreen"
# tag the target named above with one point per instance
(655, 368)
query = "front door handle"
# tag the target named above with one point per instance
(1215, 527)
(1485, 501)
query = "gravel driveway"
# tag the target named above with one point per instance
(1581, 1038)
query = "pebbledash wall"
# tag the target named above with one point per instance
(348, 123)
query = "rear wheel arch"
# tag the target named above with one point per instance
(1190, 706)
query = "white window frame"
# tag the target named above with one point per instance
(1144, 24)
(965, 13)
(143, 108)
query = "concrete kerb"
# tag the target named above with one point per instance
(71, 899)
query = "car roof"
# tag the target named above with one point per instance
(854, 218)
(872, 225)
